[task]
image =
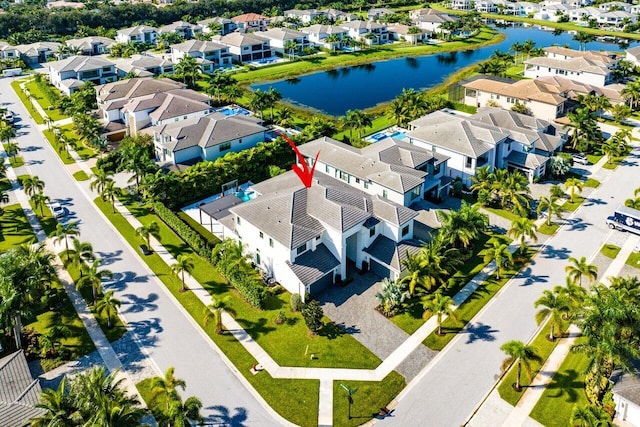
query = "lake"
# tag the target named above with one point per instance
(363, 86)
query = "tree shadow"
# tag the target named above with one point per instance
(31, 148)
(107, 258)
(255, 329)
(590, 202)
(555, 253)
(147, 330)
(137, 304)
(223, 416)
(532, 278)
(566, 384)
(35, 162)
(334, 330)
(576, 224)
(119, 281)
(479, 331)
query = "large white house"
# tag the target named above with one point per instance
(69, 74)
(321, 35)
(245, 47)
(216, 54)
(278, 37)
(595, 68)
(137, 34)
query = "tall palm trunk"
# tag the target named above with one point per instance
(18, 330)
(518, 377)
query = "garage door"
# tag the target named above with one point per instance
(380, 269)
(321, 284)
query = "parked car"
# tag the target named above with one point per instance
(9, 117)
(57, 210)
(581, 159)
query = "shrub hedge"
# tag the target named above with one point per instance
(188, 234)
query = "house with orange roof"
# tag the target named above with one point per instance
(251, 22)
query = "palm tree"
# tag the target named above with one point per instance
(573, 186)
(58, 406)
(520, 354)
(12, 149)
(291, 46)
(33, 185)
(109, 194)
(183, 265)
(146, 231)
(39, 200)
(523, 229)
(271, 98)
(579, 268)
(93, 277)
(555, 307)
(7, 132)
(184, 414)
(439, 306)
(631, 93)
(461, 227)
(589, 416)
(63, 232)
(258, 101)
(284, 118)
(108, 305)
(189, 69)
(413, 265)
(167, 387)
(99, 181)
(218, 81)
(333, 40)
(574, 294)
(549, 204)
(497, 250)
(215, 309)
(81, 253)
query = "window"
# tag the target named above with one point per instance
(469, 162)
(357, 180)
(344, 176)
(415, 193)
(238, 220)
(300, 249)
(225, 146)
(261, 235)
(366, 185)
(240, 141)
(372, 231)
(405, 230)
(270, 242)
(384, 194)
(318, 238)
(326, 168)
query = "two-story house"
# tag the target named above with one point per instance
(144, 66)
(245, 47)
(216, 55)
(305, 15)
(205, 137)
(93, 45)
(248, 22)
(278, 38)
(595, 68)
(430, 20)
(38, 52)
(225, 26)
(371, 32)
(69, 74)
(181, 28)
(137, 34)
(318, 35)
(377, 13)
(8, 52)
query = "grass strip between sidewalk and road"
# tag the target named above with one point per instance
(610, 251)
(15, 229)
(81, 176)
(27, 104)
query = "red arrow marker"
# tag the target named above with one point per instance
(305, 175)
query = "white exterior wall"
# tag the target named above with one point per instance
(214, 152)
(538, 109)
(184, 155)
(626, 410)
(179, 118)
(535, 71)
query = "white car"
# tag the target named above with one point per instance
(580, 159)
(57, 210)
(9, 117)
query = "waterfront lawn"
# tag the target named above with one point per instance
(610, 251)
(27, 103)
(36, 90)
(367, 401)
(289, 344)
(14, 228)
(543, 348)
(634, 260)
(296, 400)
(564, 392)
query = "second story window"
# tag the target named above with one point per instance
(405, 230)
(469, 162)
(225, 146)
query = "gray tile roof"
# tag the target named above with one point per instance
(88, 42)
(19, 392)
(458, 134)
(626, 385)
(323, 29)
(197, 46)
(239, 39)
(219, 208)
(528, 160)
(174, 26)
(391, 253)
(313, 265)
(80, 63)
(33, 48)
(634, 51)
(137, 30)
(282, 34)
(136, 87)
(580, 65)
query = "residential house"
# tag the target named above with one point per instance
(38, 52)
(405, 32)
(20, 392)
(8, 52)
(205, 137)
(144, 66)
(584, 14)
(461, 4)
(245, 47)
(370, 32)
(306, 237)
(181, 28)
(617, 18)
(615, 5)
(248, 22)
(430, 19)
(216, 55)
(336, 15)
(633, 55)
(595, 68)
(137, 34)
(278, 37)
(226, 25)
(376, 13)
(70, 73)
(163, 108)
(318, 35)
(626, 396)
(485, 6)
(305, 16)
(93, 45)
(62, 4)
(527, 8)
(476, 141)
(551, 12)
(390, 168)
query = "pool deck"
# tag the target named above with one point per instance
(388, 132)
(193, 210)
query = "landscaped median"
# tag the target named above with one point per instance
(296, 400)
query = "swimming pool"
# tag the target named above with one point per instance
(387, 133)
(245, 196)
(233, 111)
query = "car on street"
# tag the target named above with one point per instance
(9, 117)
(57, 210)
(579, 158)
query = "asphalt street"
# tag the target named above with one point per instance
(447, 391)
(165, 332)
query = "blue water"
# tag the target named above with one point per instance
(355, 88)
(245, 197)
(233, 111)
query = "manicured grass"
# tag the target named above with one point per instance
(564, 392)
(16, 161)
(62, 153)
(543, 348)
(594, 158)
(70, 134)
(296, 400)
(46, 218)
(81, 176)
(15, 229)
(503, 213)
(548, 229)
(41, 99)
(79, 341)
(367, 401)
(592, 183)
(610, 250)
(634, 260)
(32, 111)
(287, 343)
(572, 206)
(468, 309)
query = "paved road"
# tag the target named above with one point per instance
(448, 391)
(165, 332)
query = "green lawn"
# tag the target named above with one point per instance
(548, 229)
(62, 153)
(72, 136)
(594, 158)
(503, 213)
(610, 250)
(32, 111)
(81, 176)
(634, 260)
(16, 161)
(287, 343)
(37, 92)
(46, 218)
(296, 400)
(472, 305)
(564, 392)
(367, 401)
(15, 229)
(544, 348)
(572, 206)
(592, 183)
